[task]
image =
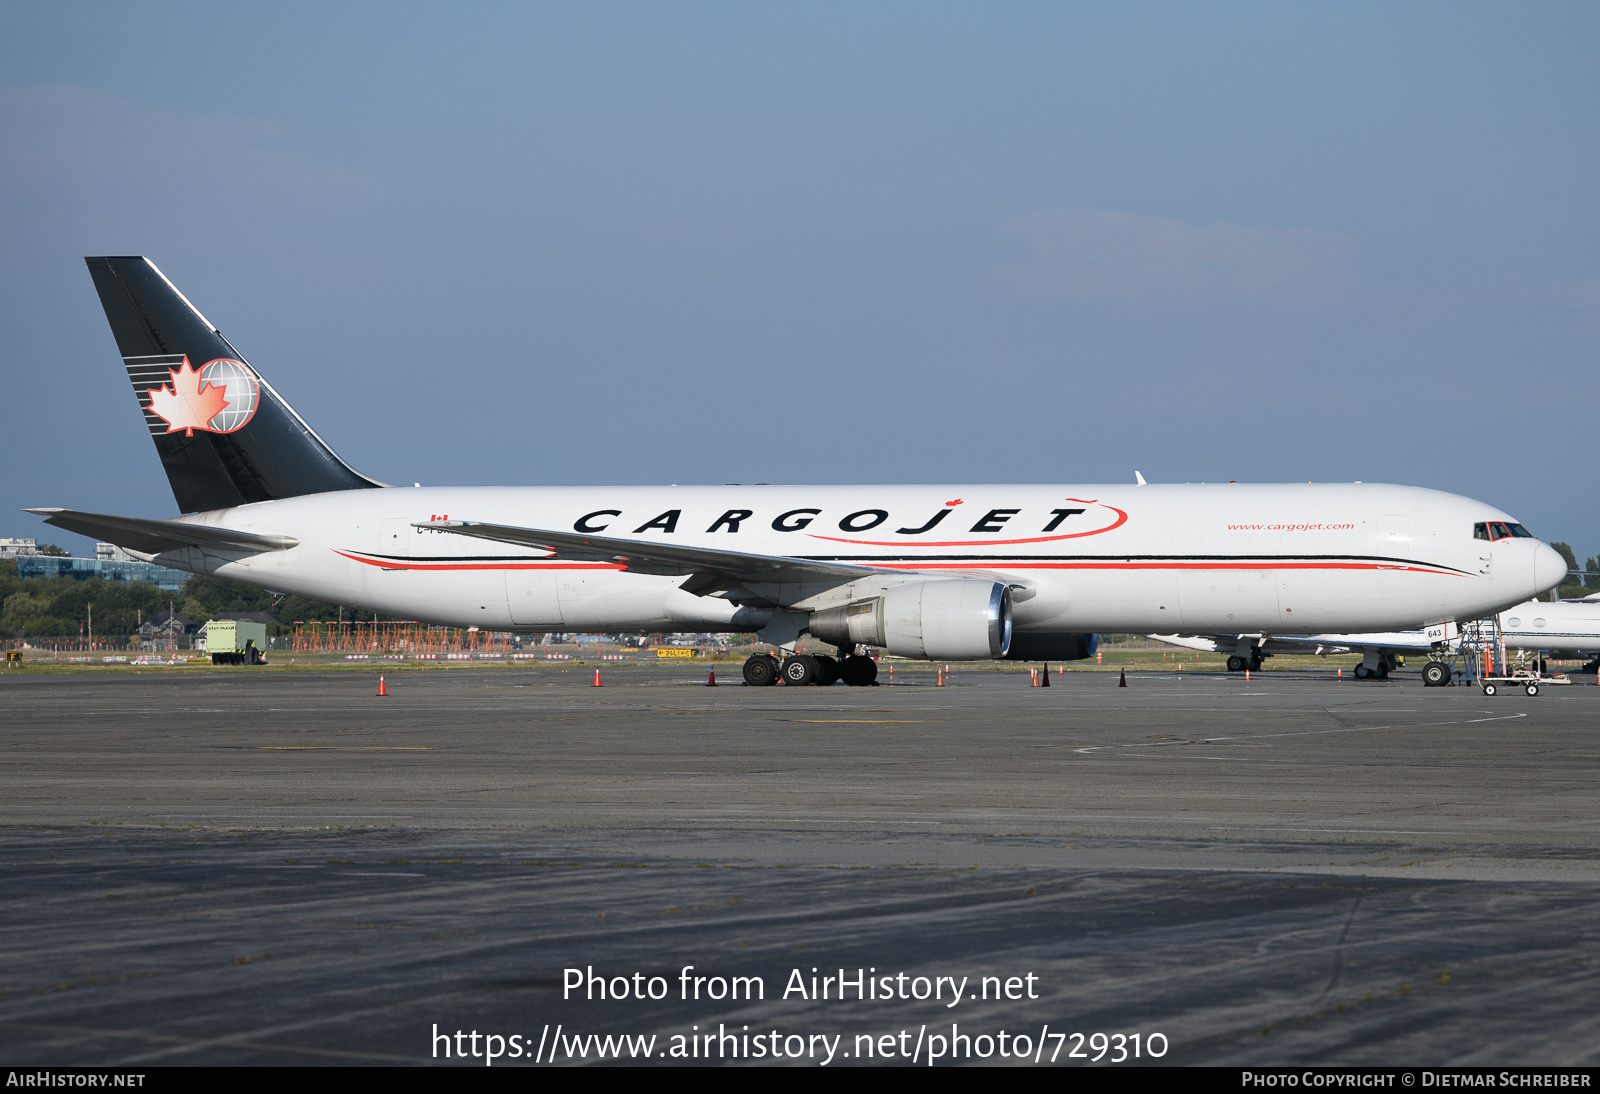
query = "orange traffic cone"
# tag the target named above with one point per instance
(1097, 658)
(1341, 674)
(1123, 681)
(381, 689)
(1247, 676)
(1044, 677)
(711, 682)
(938, 678)
(1033, 675)
(597, 678)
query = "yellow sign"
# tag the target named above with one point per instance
(674, 651)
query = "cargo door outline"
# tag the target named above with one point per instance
(1223, 599)
(531, 596)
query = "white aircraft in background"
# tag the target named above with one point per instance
(1562, 626)
(938, 572)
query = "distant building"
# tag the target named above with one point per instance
(110, 552)
(167, 630)
(11, 548)
(162, 577)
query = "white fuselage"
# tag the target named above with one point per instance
(1168, 558)
(1563, 626)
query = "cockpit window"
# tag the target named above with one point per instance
(1500, 529)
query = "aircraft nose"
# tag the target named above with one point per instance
(1549, 569)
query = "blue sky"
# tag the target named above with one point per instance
(637, 243)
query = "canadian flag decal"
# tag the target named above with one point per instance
(218, 397)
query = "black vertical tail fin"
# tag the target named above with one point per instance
(225, 437)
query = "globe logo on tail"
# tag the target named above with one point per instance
(219, 397)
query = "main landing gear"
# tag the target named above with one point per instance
(1239, 664)
(764, 670)
(1377, 664)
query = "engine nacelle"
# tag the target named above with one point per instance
(947, 619)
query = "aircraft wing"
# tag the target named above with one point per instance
(710, 568)
(1301, 643)
(1198, 642)
(152, 537)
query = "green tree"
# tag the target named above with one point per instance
(1572, 584)
(118, 605)
(22, 608)
(203, 597)
(48, 626)
(213, 595)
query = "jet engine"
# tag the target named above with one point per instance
(947, 619)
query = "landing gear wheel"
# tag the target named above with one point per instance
(1435, 674)
(1383, 670)
(858, 672)
(827, 670)
(1489, 689)
(761, 671)
(1363, 673)
(800, 670)
(1255, 662)
(1533, 689)
(1236, 664)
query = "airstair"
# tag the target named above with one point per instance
(1480, 651)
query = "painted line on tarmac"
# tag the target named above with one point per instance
(1306, 733)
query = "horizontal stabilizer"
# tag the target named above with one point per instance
(152, 537)
(667, 559)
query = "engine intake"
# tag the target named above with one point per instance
(955, 619)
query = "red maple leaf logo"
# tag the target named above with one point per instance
(184, 404)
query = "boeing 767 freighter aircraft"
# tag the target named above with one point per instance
(939, 572)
